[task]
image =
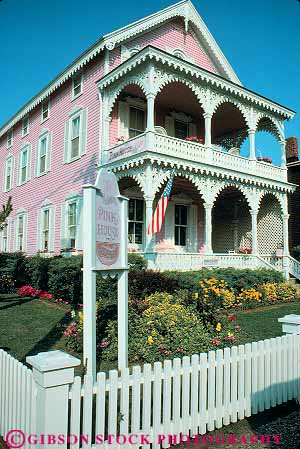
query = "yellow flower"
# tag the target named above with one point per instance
(219, 327)
(196, 295)
(150, 340)
(230, 334)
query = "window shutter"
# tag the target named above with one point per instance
(83, 127)
(192, 228)
(19, 170)
(79, 225)
(170, 126)
(66, 143)
(48, 158)
(12, 172)
(52, 228)
(192, 129)
(169, 223)
(29, 163)
(25, 230)
(123, 119)
(62, 224)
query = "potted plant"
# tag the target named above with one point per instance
(245, 250)
(260, 158)
(194, 139)
(268, 160)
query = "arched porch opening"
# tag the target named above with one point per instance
(178, 113)
(230, 130)
(136, 213)
(269, 225)
(128, 115)
(182, 230)
(231, 222)
(267, 138)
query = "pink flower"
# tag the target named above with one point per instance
(181, 350)
(216, 341)
(231, 338)
(104, 344)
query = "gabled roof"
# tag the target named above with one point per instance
(184, 9)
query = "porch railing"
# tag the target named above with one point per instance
(191, 151)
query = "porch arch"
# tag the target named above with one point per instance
(131, 81)
(231, 221)
(269, 224)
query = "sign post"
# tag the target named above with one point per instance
(105, 252)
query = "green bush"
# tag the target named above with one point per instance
(137, 262)
(38, 268)
(65, 278)
(15, 265)
(234, 278)
(7, 283)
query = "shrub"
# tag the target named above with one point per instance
(65, 278)
(287, 292)
(38, 268)
(15, 265)
(137, 262)
(145, 283)
(7, 283)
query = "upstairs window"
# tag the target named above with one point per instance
(9, 142)
(43, 156)
(137, 121)
(72, 223)
(24, 165)
(45, 110)
(181, 129)
(25, 126)
(180, 225)
(20, 232)
(77, 85)
(135, 221)
(8, 174)
(75, 135)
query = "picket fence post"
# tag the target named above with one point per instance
(53, 372)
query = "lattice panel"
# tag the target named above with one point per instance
(269, 227)
(244, 229)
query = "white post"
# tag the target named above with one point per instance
(89, 280)
(283, 153)
(251, 134)
(208, 228)
(123, 292)
(254, 231)
(150, 112)
(207, 117)
(286, 253)
(53, 372)
(149, 212)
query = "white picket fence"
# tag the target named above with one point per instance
(17, 396)
(189, 396)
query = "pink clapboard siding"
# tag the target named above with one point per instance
(62, 179)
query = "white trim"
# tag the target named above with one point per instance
(45, 134)
(23, 132)
(8, 227)
(7, 159)
(76, 112)
(65, 237)
(79, 75)
(9, 139)
(28, 148)
(183, 9)
(21, 213)
(47, 101)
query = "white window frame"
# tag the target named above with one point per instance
(10, 139)
(46, 206)
(9, 158)
(180, 225)
(82, 114)
(65, 235)
(7, 228)
(68, 226)
(74, 79)
(47, 109)
(26, 147)
(140, 245)
(23, 215)
(25, 126)
(44, 135)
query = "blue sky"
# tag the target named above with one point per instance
(261, 40)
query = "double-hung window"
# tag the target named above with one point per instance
(43, 154)
(181, 129)
(4, 246)
(8, 173)
(45, 229)
(24, 164)
(75, 135)
(9, 141)
(135, 221)
(20, 232)
(45, 110)
(77, 85)
(137, 121)
(25, 126)
(180, 225)
(72, 223)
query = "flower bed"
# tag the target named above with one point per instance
(28, 291)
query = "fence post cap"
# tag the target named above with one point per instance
(52, 360)
(292, 319)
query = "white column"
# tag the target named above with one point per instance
(254, 231)
(53, 372)
(149, 239)
(208, 228)
(251, 134)
(285, 225)
(150, 112)
(283, 153)
(207, 117)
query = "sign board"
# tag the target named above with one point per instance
(127, 149)
(211, 262)
(108, 222)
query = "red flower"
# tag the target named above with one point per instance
(232, 318)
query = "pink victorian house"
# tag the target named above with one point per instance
(155, 96)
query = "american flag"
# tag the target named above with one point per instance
(160, 211)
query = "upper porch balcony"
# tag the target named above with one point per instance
(160, 107)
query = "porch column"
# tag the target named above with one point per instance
(207, 116)
(150, 112)
(254, 214)
(149, 212)
(251, 134)
(285, 226)
(208, 228)
(283, 153)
